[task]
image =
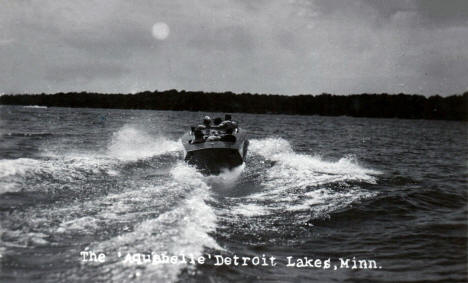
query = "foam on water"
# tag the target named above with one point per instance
(182, 229)
(131, 143)
(227, 178)
(28, 174)
(301, 182)
(250, 209)
(11, 167)
(35, 107)
(280, 151)
(168, 215)
(85, 224)
(14, 172)
(83, 194)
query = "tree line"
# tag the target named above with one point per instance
(383, 105)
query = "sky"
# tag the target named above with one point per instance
(258, 46)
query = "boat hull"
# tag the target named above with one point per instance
(213, 161)
(212, 157)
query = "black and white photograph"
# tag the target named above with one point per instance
(234, 141)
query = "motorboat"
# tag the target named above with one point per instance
(215, 150)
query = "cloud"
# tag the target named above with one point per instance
(273, 46)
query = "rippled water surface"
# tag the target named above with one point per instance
(114, 181)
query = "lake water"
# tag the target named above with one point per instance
(113, 181)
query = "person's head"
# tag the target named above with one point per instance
(227, 117)
(207, 121)
(217, 121)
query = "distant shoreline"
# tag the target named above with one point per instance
(404, 106)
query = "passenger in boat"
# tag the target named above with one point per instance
(207, 122)
(224, 129)
(217, 121)
(214, 130)
(219, 131)
(228, 126)
(213, 138)
(199, 136)
(206, 126)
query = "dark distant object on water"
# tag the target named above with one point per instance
(214, 148)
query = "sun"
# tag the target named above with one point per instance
(160, 31)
